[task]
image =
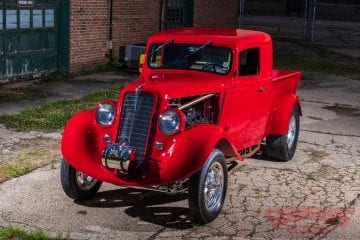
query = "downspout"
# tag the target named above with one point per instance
(162, 15)
(110, 31)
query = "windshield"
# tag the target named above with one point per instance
(205, 57)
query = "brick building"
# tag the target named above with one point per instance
(45, 36)
(133, 21)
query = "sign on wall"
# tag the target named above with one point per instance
(25, 3)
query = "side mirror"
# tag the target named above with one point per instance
(141, 62)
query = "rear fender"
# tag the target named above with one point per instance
(280, 116)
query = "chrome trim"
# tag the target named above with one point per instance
(197, 100)
(85, 182)
(214, 187)
(291, 134)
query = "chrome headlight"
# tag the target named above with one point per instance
(105, 114)
(169, 122)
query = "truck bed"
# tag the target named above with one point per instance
(279, 75)
(285, 82)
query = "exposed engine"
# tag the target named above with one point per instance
(194, 115)
(198, 109)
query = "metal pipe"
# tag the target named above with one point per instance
(193, 102)
(110, 30)
(241, 13)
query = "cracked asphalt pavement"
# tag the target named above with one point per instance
(313, 196)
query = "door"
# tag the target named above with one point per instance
(179, 13)
(250, 100)
(28, 38)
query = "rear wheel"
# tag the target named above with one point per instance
(283, 147)
(78, 185)
(207, 188)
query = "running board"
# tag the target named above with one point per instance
(249, 152)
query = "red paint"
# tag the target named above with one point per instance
(251, 108)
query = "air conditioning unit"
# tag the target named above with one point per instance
(132, 55)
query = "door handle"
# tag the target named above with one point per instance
(262, 89)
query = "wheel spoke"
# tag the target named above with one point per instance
(291, 132)
(214, 187)
(84, 181)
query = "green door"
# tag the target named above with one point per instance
(28, 38)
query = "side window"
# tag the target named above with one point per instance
(249, 62)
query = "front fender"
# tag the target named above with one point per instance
(187, 152)
(183, 154)
(82, 144)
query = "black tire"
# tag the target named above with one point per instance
(197, 189)
(277, 147)
(71, 186)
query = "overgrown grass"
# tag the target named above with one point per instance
(54, 115)
(306, 57)
(16, 233)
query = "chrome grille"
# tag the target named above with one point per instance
(135, 121)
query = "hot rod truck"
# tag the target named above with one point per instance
(205, 97)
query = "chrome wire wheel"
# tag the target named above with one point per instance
(84, 181)
(291, 134)
(214, 186)
(207, 188)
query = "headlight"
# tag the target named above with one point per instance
(105, 114)
(169, 122)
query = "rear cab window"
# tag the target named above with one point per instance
(249, 62)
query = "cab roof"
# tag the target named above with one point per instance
(219, 36)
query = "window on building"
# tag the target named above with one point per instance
(1, 20)
(11, 19)
(37, 18)
(24, 19)
(178, 13)
(249, 62)
(49, 18)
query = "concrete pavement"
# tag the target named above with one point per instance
(313, 196)
(74, 88)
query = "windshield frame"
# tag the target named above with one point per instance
(191, 69)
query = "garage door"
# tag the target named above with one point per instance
(28, 38)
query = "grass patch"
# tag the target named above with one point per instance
(31, 155)
(16, 233)
(20, 94)
(305, 57)
(55, 115)
(17, 169)
(310, 177)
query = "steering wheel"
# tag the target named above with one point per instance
(212, 66)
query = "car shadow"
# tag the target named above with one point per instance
(146, 205)
(261, 155)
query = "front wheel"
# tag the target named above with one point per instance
(207, 188)
(283, 147)
(77, 185)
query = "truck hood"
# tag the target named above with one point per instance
(174, 85)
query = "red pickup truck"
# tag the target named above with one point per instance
(205, 98)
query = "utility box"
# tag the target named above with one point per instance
(132, 55)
